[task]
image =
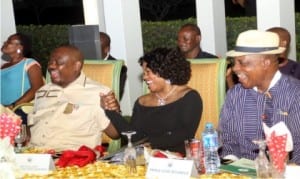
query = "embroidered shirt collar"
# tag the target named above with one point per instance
(80, 80)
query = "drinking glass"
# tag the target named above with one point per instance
(130, 153)
(21, 138)
(262, 164)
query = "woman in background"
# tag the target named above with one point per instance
(21, 76)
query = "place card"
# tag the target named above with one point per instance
(35, 163)
(161, 168)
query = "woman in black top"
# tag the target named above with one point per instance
(171, 112)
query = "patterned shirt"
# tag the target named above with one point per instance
(241, 117)
(66, 118)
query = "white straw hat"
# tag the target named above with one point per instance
(256, 42)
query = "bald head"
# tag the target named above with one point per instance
(73, 52)
(105, 44)
(283, 34)
(284, 41)
(188, 40)
(65, 65)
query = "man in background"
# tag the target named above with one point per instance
(188, 41)
(105, 52)
(286, 66)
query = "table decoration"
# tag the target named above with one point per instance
(83, 156)
(98, 169)
(279, 142)
(9, 128)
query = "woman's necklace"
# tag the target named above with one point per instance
(162, 100)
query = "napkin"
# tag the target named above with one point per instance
(148, 152)
(8, 166)
(82, 157)
(9, 124)
(279, 142)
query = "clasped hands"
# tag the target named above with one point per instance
(109, 102)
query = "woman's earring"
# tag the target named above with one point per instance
(168, 81)
(18, 51)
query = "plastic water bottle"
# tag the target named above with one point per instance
(210, 146)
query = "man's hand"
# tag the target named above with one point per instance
(109, 102)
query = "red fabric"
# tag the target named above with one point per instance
(101, 149)
(276, 145)
(82, 157)
(158, 154)
(9, 126)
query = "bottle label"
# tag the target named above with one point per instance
(210, 140)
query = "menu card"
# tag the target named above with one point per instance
(161, 168)
(35, 163)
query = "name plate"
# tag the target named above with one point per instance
(161, 168)
(35, 163)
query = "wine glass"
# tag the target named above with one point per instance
(262, 163)
(21, 138)
(130, 153)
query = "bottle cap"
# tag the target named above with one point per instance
(209, 125)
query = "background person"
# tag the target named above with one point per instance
(188, 41)
(67, 112)
(286, 66)
(263, 95)
(248, 5)
(171, 112)
(105, 51)
(21, 76)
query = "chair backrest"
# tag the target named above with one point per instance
(208, 78)
(106, 72)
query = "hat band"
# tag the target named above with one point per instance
(254, 49)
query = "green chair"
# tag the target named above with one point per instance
(209, 79)
(106, 72)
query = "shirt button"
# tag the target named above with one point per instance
(169, 133)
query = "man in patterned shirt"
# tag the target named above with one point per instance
(264, 95)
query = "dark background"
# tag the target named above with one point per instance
(41, 12)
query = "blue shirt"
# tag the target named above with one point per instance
(241, 117)
(13, 85)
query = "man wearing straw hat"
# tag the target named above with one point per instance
(264, 95)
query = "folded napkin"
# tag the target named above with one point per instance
(82, 157)
(279, 142)
(9, 126)
(148, 152)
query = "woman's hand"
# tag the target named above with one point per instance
(109, 102)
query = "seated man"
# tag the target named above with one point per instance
(264, 95)
(67, 112)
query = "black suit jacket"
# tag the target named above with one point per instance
(123, 77)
